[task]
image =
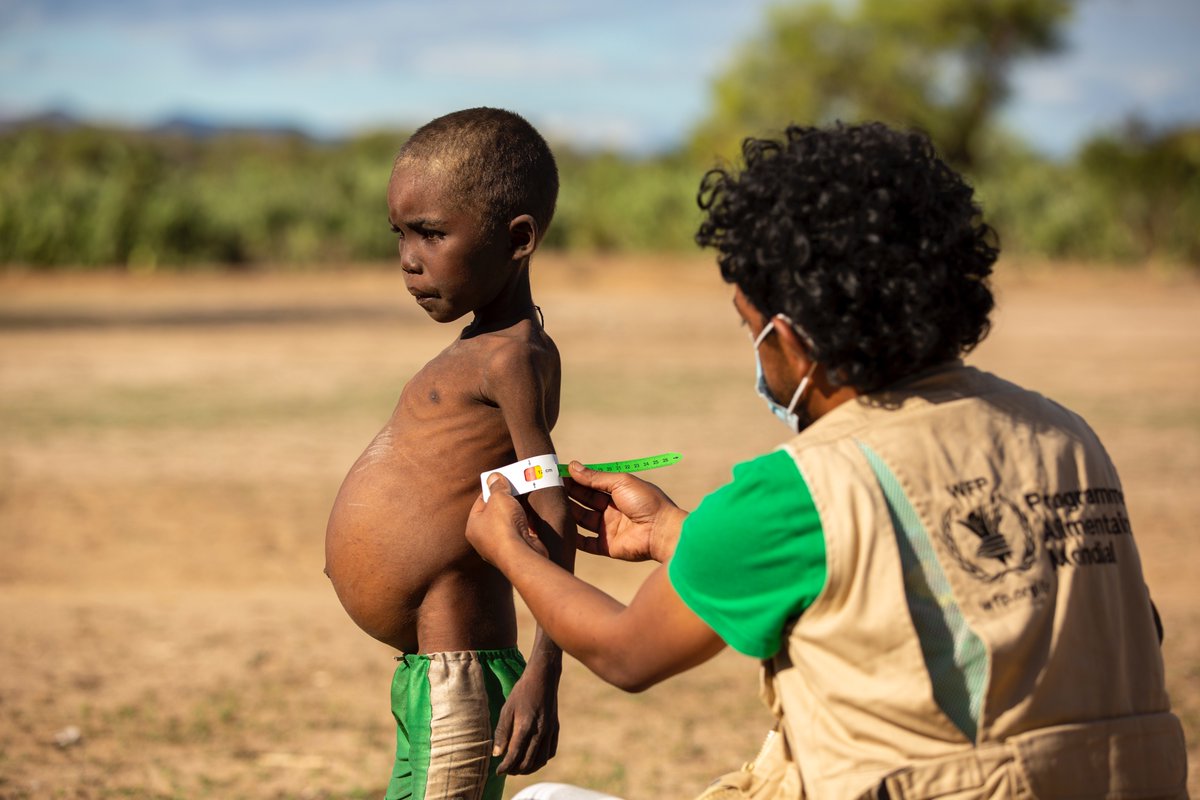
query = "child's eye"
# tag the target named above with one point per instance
(396, 229)
(431, 234)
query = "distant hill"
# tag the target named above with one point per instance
(48, 119)
(198, 127)
(192, 126)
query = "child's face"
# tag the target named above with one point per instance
(453, 264)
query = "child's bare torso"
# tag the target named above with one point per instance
(395, 548)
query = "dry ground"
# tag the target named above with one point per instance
(170, 447)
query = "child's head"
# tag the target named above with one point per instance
(491, 160)
(863, 237)
(471, 195)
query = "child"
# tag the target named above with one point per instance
(470, 198)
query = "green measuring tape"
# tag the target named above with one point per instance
(634, 465)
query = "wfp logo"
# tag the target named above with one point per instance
(989, 540)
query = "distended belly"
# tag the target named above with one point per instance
(397, 555)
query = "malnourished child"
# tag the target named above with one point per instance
(470, 198)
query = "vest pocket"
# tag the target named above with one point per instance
(1132, 757)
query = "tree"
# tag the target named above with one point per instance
(1150, 181)
(938, 65)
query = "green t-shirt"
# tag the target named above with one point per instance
(751, 557)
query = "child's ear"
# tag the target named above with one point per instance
(523, 236)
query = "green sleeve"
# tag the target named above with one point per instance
(751, 557)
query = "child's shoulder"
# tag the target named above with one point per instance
(518, 355)
(514, 347)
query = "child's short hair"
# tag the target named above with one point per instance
(494, 157)
(864, 237)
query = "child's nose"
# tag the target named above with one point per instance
(408, 262)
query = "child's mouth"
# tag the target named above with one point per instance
(422, 298)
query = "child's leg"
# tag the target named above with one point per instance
(446, 706)
(501, 669)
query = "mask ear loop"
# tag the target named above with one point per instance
(800, 389)
(799, 393)
(808, 343)
(763, 333)
(803, 334)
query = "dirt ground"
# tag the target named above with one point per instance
(170, 447)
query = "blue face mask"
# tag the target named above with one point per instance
(786, 415)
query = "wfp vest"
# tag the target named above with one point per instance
(1012, 508)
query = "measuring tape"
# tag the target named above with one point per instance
(634, 465)
(540, 472)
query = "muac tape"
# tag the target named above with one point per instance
(530, 474)
(526, 475)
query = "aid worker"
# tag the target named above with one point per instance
(937, 569)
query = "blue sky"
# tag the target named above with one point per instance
(632, 74)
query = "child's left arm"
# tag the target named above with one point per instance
(527, 733)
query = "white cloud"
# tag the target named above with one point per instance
(1152, 82)
(1049, 88)
(594, 131)
(507, 61)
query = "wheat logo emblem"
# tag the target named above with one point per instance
(991, 540)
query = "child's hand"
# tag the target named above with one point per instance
(633, 519)
(527, 732)
(499, 522)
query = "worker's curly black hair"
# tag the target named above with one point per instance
(863, 237)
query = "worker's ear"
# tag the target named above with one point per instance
(795, 350)
(523, 236)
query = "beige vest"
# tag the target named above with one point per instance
(1022, 513)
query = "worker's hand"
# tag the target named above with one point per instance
(500, 522)
(633, 519)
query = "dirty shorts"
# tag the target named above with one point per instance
(446, 707)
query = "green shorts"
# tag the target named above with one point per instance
(446, 707)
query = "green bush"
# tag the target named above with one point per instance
(610, 203)
(1127, 198)
(86, 197)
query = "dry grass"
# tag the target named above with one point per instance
(170, 447)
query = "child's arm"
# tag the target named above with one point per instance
(527, 732)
